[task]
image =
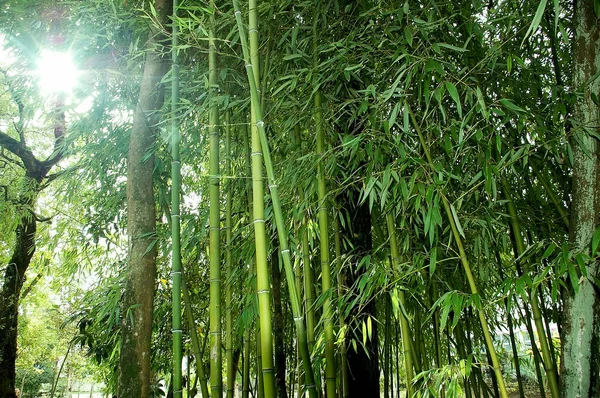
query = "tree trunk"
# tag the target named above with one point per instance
(136, 329)
(581, 356)
(14, 276)
(24, 248)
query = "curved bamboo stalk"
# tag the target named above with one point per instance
(466, 266)
(547, 359)
(200, 374)
(252, 72)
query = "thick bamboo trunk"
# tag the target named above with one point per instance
(175, 214)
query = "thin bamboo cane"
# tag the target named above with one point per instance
(195, 342)
(404, 325)
(228, 262)
(466, 266)
(252, 71)
(309, 292)
(175, 208)
(330, 365)
(547, 359)
(344, 388)
(216, 382)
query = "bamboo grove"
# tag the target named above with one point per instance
(375, 198)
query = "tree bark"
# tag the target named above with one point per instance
(136, 329)
(581, 356)
(14, 275)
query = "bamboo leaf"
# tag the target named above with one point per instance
(451, 47)
(454, 94)
(393, 115)
(432, 261)
(456, 221)
(537, 18)
(511, 105)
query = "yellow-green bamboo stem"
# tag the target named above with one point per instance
(228, 263)
(263, 149)
(466, 266)
(175, 209)
(344, 386)
(309, 292)
(265, 339)
(216, 383)
(330, 365)
(404, 325)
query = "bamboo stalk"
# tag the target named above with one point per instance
(344, 387)
(195, 342)
(216, 382)
(547, 359)
(175, 211)
(466, 266)
(404, 325)
(228, 262)
(252, 72)
(330, 365)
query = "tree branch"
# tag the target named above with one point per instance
(19, 149)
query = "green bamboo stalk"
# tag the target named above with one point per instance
(551, 194)
(175, 209)
(330, 365)
(265, 339)
(216, 382)
(246, 365)
(247, 333)
(547, 359)
(252, 72)
(466, 266)
(260, 380)
(201, 375)
(404, 325)
(387, 347)
(344, 387)
(309, 292)
(228, 262)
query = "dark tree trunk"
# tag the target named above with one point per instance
(138, 298)
(14, 275)
(363, 363)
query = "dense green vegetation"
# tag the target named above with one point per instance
(321, 199)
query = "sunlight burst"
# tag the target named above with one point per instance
(56, 72)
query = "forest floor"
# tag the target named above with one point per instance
(531, 390)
